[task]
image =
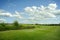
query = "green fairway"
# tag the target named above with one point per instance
(41, 33)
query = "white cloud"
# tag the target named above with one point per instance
(43, 12)
(7, 14)
(17, 15)
(35, 13)
(52, 6)
(34, 7)
(28, 9)
(42, 8)
(2, 20)
(4, 13)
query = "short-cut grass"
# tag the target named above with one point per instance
(41, 33)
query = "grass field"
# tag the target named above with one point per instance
(41, 33)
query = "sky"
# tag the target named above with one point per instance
(30, 11)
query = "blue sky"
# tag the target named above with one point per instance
(19, 5)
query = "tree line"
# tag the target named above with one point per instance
(14, 26)
(17, 26)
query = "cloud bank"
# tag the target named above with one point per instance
(43, 12)
(35, 13)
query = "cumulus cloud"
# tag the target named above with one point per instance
(7, 14)
(17, 14)
(4, 13)
(2, 20)
(43, 12)
(52, 6)
(35, 13)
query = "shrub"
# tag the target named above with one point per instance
(16, 25)
(9, 27)
(2, 26)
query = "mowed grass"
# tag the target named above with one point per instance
(41, 33)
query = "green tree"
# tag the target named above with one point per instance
(2, 26)
(16, 25)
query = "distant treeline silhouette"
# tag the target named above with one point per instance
(17, 26)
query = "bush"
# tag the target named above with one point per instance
(16, 25)
(2, 26)
(9, 27)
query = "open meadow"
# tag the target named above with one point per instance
(29, 19)
(38, 33)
